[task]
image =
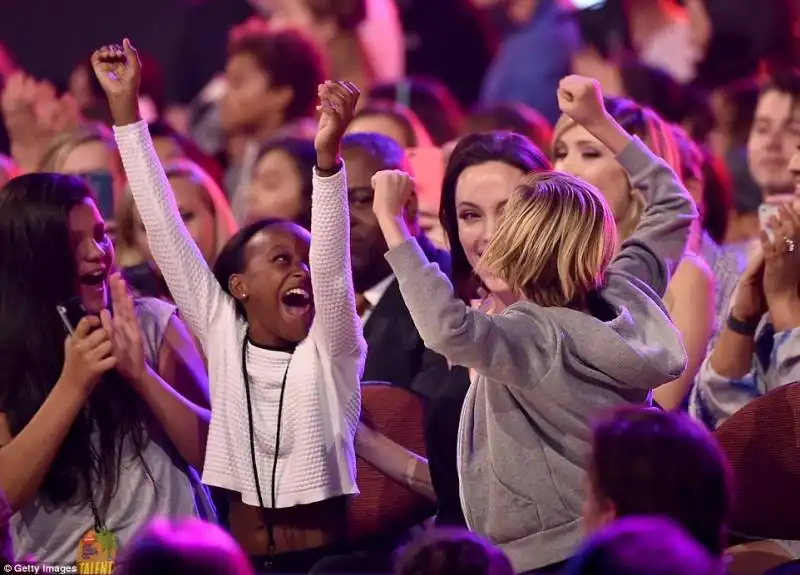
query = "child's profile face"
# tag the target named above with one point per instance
(277, 281)
(579, 153)
(482, 192)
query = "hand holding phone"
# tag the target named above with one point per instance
(88, 354)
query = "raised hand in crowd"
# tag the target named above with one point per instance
(89, 353)
(119, 71)
(33, 114)
(780, 243)
(581, 99)
(393, 188)
(126, 334)
(338, 102)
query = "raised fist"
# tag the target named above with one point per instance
(337, 106)
(392, 189)
(118, 70)
(581, 99)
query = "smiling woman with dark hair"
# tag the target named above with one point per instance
(87, 449)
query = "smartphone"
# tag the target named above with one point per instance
(101, 183)
(770, 208)
(71, 313)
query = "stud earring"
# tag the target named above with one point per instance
(245, 296)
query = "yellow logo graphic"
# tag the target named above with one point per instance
(96, 553)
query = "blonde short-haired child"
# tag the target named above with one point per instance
(588, 333)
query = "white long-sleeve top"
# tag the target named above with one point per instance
(322, 402)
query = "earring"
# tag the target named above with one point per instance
(245, 296)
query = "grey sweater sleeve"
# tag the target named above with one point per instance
(657, 244)
(516, 347)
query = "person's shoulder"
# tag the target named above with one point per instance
(150, 307)
(692, 272)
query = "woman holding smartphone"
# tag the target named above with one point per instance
(101, 432)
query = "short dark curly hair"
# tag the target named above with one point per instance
(290, 59)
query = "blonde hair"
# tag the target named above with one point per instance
(128, 254)
(63, 144)
(555, 241)
(648, 126)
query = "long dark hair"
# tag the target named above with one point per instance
(37, 273)
(473, 150)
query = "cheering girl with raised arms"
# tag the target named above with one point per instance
(277, 321)
(587, 333)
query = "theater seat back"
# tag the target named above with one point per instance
(384, 506)
(762, 442)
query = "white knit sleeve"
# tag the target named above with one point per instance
(190, 281)
(337, 325)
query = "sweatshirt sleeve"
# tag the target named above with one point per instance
(336, 321)
(191, 283)
(657, 244)
(491, 345)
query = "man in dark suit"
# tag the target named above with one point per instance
(396, 352)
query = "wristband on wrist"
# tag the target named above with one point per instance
(330, 172)
(747, 328)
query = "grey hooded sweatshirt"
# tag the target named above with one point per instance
(543, 374)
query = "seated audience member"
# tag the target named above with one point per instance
(579, 324)
(650, 462)
(449, 551)
(690, 294)
(33, 115)
(105, 431)
(393, 120)
(483, 172)
(205, 213)
(643, 546)
(90, 152)
(272, 80)
(334, 26)
(758, 347)
(270, 343)
(429, 99)
(280, 183)
(516, 118)
(712, 196)
(187, 547)
(774, 138)
(395, 351)
(172, 145)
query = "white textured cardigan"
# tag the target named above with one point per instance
(322, 399)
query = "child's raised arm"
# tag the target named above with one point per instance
(190, 281)
(336, 318)
(655, 248)
(511, 349)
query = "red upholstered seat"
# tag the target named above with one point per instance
(384, 506)
(762, 442)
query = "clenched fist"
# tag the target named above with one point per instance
(581, 99)
(119, 71)
(337, 105)
(393, 189)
